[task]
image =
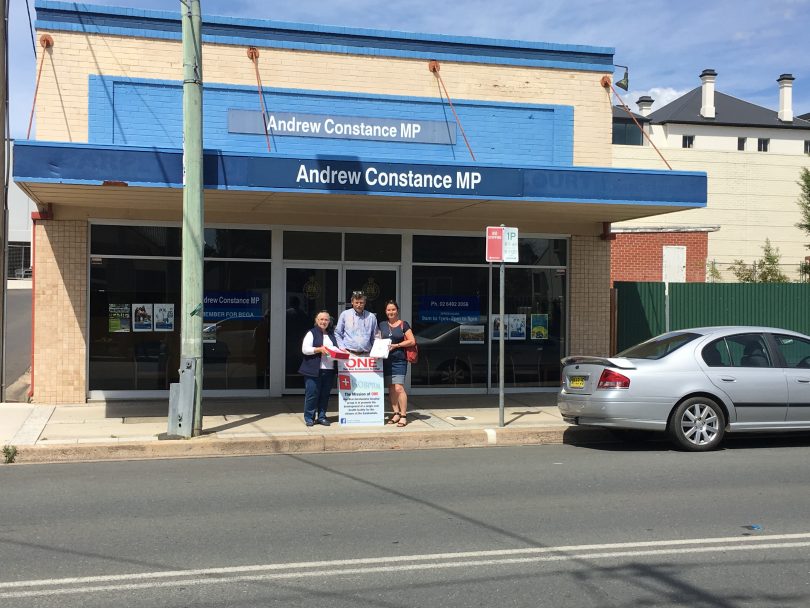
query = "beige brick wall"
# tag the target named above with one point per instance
(589, 296)
(60, 312)
(61, 113)
(751, 196)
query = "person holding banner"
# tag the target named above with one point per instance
(318, 369)
(396, 365)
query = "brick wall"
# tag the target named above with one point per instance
(639, 256)
(60, 312)
(589, 296)
(62, 105)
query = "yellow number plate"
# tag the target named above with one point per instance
(576, 381)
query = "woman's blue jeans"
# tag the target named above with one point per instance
(317, 394)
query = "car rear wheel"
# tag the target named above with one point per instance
(697, 425)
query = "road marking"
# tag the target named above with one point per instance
(209, 576)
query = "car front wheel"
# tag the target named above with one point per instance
(697, 425)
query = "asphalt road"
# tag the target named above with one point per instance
(602, 526)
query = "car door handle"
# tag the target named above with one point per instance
(728, 379)
(803, 380)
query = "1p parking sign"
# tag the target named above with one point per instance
(502, 244)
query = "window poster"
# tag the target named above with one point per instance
(471, 334)
(141, 317)
(539, 327)
(118, 318)
(164, 317)
(495, 326)
(517, 327)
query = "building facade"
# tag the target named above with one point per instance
(753, 157)
(333, 162)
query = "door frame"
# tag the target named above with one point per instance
(341, 268)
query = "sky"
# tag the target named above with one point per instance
(666, 44)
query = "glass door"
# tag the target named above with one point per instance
(312, 288)
(379, 285)
(308, 291)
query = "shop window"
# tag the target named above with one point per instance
(373, 247)
(450, 315)
(449, 249)
(543, 252)
(135, 324)
(313, 245)
(235, 243)
(534, 326)
(763, 143)
(159, 241)
(688, 141)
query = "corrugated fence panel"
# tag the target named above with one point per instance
(639, 312)
(786, 306)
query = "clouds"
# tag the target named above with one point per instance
(665, 44)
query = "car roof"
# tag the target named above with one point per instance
(732, 329)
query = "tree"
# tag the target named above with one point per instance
(804, 210)
(765, 270)
(804, 202)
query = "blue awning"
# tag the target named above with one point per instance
(85, 164)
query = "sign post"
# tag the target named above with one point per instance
(501, 246)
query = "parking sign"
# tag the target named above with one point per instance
(502, 244)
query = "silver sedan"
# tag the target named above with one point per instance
(694, 384)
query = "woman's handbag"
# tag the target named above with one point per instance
(412, 353)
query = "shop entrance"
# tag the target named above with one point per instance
(314, 287)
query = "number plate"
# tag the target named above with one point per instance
(576, 381)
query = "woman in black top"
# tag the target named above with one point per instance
(395, 367)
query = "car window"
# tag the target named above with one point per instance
(659, 347)
(748, 350)
(796, 351)
(716, 354)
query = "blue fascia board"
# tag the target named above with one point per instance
(66, 16)
(69, 163)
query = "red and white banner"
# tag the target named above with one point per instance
(361, 391)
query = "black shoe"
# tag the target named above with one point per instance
(324, 422)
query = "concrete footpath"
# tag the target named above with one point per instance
(132, 430)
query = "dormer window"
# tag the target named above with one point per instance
(688, 141)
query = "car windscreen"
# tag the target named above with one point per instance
(659, 347)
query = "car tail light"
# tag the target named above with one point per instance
(611, 379)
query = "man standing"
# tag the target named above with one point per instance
(356, 327)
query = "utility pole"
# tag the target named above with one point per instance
(191, 305)
(4, 187)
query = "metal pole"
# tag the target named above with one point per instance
(501, 335)
(191, 307)
(4, 216)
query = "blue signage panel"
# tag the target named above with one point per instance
(362, 176)
(220, 305)
(294, 124)
(79, 163)
(461, 309)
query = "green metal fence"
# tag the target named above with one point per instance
(641, 308)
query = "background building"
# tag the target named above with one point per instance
(753, 157)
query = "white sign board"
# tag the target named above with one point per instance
(361, 391)
(502, 244)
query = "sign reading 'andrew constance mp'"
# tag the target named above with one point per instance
(294, 124)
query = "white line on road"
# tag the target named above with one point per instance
(436, 560)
